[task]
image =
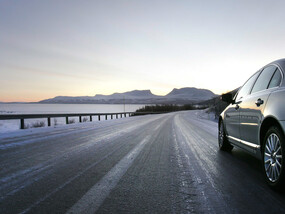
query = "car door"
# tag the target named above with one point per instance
(232, 114)
(252, 106)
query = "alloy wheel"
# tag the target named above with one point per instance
(273, 157)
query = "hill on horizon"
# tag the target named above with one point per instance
(176, 96)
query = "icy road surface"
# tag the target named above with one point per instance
(149, 164)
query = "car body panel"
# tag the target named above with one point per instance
(282, 124)
(232, 121)
(276, 104)
(251, 116)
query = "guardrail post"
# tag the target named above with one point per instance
(22, 126)
(82, 117)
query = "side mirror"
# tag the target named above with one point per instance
(228, 98)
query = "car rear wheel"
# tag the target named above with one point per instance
(224, 144)
(272, 157)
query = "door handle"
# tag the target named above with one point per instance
(259, 102)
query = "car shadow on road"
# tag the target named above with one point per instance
(247, 158)
(247, 167)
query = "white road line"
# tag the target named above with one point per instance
(93, 199)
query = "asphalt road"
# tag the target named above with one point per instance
(149, 164)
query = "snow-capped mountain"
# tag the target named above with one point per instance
(176, 96)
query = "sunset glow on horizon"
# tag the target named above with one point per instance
(82, 48)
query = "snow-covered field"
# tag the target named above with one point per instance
(7, 126)
(64, 130)
(13, 125)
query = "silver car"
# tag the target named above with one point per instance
(255, 120)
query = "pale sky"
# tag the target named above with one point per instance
(82, 48)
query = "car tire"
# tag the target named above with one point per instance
(224, 144)
(273, 148)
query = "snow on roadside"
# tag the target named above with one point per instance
(206, 121)
(205, 114)
(73, 127)
(7, 126)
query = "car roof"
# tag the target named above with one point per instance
(280, 63)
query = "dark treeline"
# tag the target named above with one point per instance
(215, 105)
(167, 108)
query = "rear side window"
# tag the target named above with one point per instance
(264, 78)
(245, 90)
(276, 79)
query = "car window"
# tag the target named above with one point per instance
(264, 79)
(245, 90)
(276, 79)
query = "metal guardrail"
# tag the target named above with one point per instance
(22, 117)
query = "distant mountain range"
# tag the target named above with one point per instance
(176, 96)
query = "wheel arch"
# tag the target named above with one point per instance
(266, 124)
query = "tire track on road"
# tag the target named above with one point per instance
(207, 194)
(94, 198)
